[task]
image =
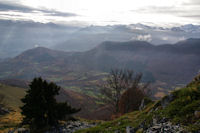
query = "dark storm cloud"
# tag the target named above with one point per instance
(25, 9)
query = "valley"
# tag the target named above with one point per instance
(83, 71)
(74, 66)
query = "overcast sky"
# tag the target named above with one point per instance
(103, 12)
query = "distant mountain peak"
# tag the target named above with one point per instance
(187, 28)
(190, 41)
(39, 54)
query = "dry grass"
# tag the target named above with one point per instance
(13, 102)
(10, 121)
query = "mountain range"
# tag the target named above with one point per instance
(163, 65)
(75, 38)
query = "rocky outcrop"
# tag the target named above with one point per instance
(197, 78)
(130, 129)
(3, 110)
(166, 100)
(145, 101)
(164, 126)
(68, 127)
(197, 114)
(158, 126)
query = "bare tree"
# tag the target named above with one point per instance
(118, 81)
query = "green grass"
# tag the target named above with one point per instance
(181, 109)
(187, 100)
(133, 119)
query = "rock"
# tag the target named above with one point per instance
(144, 102)
(166, 100)
(163, 125)
(154, 121)
(197, 78)
(142, 125)
(3, 110)
(163, 120)
(197, 114)
(68, 127)
(117, 131)
(156, 127)
(22, 130)
(142, 106)
(130, 129)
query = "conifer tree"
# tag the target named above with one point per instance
(40, 109)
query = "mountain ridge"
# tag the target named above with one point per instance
(80, 38)
(138, 55)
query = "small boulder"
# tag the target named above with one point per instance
(197, 114)
(144, 102)
(130, 129)
(166, 100)
(22, 130)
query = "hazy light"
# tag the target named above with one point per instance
(103, 12)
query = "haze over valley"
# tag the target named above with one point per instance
(99, 66)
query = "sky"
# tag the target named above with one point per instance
(103, 12)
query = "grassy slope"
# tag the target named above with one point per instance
(12, 100)
(180, 110)
(132, 119)
(12, 95)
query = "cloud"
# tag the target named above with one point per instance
(158, 9)
(192, 2)
(25, 9)
(165, 38)
(168, 10)
(188, 9)
(36, 45)
(147, 38)
(197, 16)
(57, 13)
(14, 7)
(182, 38)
